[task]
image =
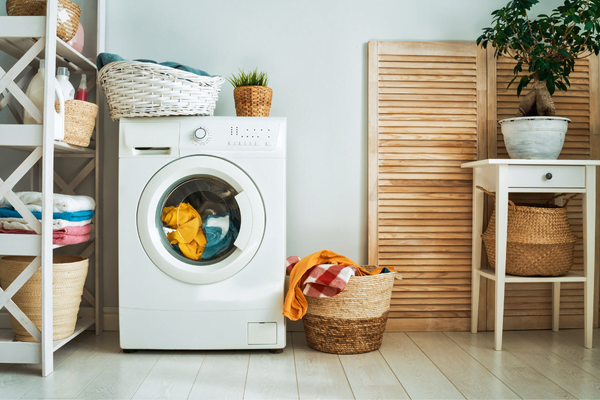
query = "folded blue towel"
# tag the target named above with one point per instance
(107, 58)
(217, 241)
(9, 212)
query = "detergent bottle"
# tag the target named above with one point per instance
(35, 92)
(66, 86)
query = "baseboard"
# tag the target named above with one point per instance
(111, 319)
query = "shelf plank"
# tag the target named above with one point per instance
(17, 35)
(15, 352)
(22, 26)
(27, 245)
(20, 352)
(569, 277)
(23, 245)
(81, 325)
(28, 137)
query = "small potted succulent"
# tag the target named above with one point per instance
(545, 50)
(251, 94)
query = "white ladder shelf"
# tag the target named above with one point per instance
(29, 39)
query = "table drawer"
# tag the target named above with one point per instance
(534, 176)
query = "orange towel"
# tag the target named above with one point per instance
(188, 233)
(295, 304)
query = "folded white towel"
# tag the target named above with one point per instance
(62, 202)
(20, 223)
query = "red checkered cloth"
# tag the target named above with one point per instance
(324, 280)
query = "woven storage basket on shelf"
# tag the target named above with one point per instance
(80, 119)
(68, 14)
(539, 239)
(139, 89)
(69, 274)
(353, 321)
(252, 101)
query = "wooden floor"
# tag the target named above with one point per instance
(424, 365)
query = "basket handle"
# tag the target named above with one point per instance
(494, 195)
(563, 194)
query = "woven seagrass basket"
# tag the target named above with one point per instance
(139, 89)
(539, 239)
(80, 119)
(68, 14)
(252, 101)
(69, 274)
(353, 321)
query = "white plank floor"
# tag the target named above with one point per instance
(415, 365)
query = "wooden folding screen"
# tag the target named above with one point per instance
(530, 306)
(433, 106)
(426, 117)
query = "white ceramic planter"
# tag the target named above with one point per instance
(534, 138)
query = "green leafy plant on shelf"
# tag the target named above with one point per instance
(253, 78)
(547, 46)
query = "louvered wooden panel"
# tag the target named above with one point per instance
(529, 306)
(426, 118)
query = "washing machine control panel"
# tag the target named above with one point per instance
(232, 134)
(201, 135)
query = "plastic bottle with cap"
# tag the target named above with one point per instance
(63, 79)
(82, 90)
(35, 92)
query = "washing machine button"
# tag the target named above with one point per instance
(201, 135)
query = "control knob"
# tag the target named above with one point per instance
(201, 135)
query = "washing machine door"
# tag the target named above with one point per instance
(201, 219)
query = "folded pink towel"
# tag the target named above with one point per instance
(66, 235)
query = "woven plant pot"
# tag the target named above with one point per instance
(353, 321)
(139, 89)
(69, 274)
(68, 14)
(539, 240)
(80, 119)
(252, 101)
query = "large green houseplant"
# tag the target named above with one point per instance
(545, 50)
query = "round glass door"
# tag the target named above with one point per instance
(201, 219)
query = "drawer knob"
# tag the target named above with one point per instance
(548, 176)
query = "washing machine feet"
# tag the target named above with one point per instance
(276, 351)
(128, 351)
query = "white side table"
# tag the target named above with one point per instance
(531, 176)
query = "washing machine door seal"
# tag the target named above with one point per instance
(247, 197)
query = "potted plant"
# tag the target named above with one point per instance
(251, 94)
(548, 48)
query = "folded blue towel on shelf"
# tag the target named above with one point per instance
(10, 212)
(107, 58)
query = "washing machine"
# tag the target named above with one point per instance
(202, 228)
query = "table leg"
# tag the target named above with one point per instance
(501, 236)
(555, 305)
(478, 198)
(589, 213)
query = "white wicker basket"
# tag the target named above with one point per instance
(139, 89)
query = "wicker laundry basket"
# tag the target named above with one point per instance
(252, 101)
(353, 321)
(139, 89)
(69, 274)
(80, 119)
(539, 239)
(67, 20)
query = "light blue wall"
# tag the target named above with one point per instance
(315, 53)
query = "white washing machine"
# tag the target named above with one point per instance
(202, 226)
